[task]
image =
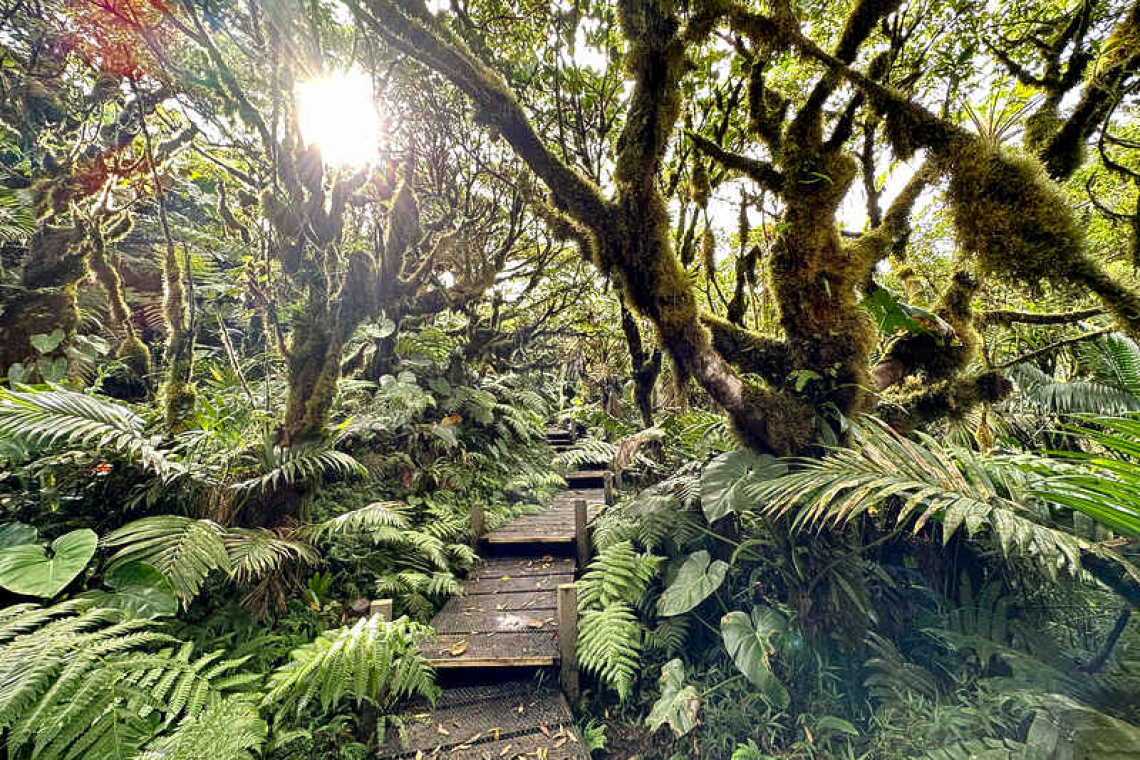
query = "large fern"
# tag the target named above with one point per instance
(44, 419)
(609, 645)
(372, 661)
(228, 729)
(187, 551)
(610, 636)
(378, 514)
(89, 684)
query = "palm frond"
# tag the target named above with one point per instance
(182, 549)
(1071, 397)
(930, 482)
(292, 465)
(378, 514)
(43, 419)
(1106, 487)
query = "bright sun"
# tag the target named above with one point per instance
(337, 113)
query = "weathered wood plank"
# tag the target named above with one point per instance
(516, 649)
(501, 585)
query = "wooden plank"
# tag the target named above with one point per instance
(581, 536)
(567, 638)
(493, 650)
(551, 539)
(499, 585)
(517, 568)
(489, 720)
(510, 602)
(495, 621)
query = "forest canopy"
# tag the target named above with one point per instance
(846, 292)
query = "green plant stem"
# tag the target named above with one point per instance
(725, 682)
(844, 557)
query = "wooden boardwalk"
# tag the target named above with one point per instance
(516, 613)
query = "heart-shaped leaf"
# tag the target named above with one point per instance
(750, 642)
(17, 533)
(678, 705)
(27, 569)
(45, 343)
(697, 579)
(725, 478)
(140, 590)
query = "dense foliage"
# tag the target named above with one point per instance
(845, 292)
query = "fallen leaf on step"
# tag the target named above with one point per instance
(520, 708)
(496, 731)
(441, 730)
(545, 731)
(534, 623)
(506, 749)
(560, 740)
(547, 558)
(458, 649)
(505, 578)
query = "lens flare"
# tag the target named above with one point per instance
(338, 114)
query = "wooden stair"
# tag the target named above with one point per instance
(516, 611)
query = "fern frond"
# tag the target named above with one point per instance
(619, 573)
(588, 451)
(372, 660)
(932, 482)
(230, 729)
(609, 646)
(87, 684)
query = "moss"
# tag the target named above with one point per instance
(916, 403)
(708, 252)
(751, 352)
(1019, 225)
(788, 426)
(699, 189)
(135, 355)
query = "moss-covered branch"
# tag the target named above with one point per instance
(1005, 318)
(760, 172)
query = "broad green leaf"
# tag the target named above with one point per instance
(28, 570)
(750, 642)
(17, 533)
(678, 705)
(382, 329)
(445, 433)
(892, 315)
(697, 579)
(45, 343)
(140, 590)
(725, 479)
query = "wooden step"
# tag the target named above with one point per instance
(586, 479)
(502, 721)
(493, 649)
(551, 527)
